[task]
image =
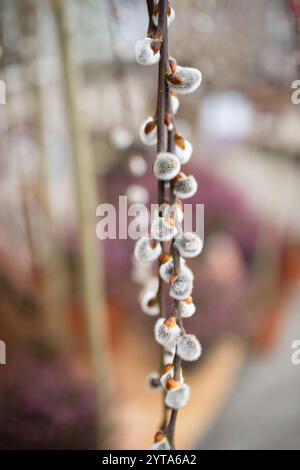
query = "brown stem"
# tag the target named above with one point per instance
(161, 104)
(151, 27)
(150, 6)
(173, 418)
(171, 429)
(160, 116)
(161, 93)
(177, 360)
(163, 426)
(162, 26)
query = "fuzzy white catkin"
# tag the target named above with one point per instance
(187, 310)
(166, 376)
(171, 18)
(152, 284)
(162, 231)
(170, 348)
(166, 269)
(186, 187)
(144, 252)
(186, 270)
(140, 271)
(151, 381)
(170, 126)
(191, 80)
(162, 445)
(144, 54)
(151, 137)
(188, 347)
(179, 215)
(166, 336)
(145, 297)
(189, 244)
(184, 155)
(175, 103)
(181, 287)
(173, 211)
(178, 398)
(169, 375)
(168, 356)
(166, 166)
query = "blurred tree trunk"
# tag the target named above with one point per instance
(92, 290)
(49, 293)
(55, 280)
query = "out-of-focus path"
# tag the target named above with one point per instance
(263, 411)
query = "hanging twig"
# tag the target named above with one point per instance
(171, 154)
(161, 110)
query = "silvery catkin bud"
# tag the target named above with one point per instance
(166, 166)
(166, 331)
(149, 303)
(183, 149)
(166, 270)
(147, 51)
(185, 186)
(189, 244)
(147, 250)
(163, 229)
(161, 442)
(188, 347)
(177, 395)
(185, 80)
(181, 286)
(186, 270)
(171, 15)
(153, 382)
(148, 131)
(168, 373)
(169, 356)
(187, 307)
(175, 103)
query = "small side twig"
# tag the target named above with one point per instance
(176, 311)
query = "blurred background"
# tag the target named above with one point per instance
(78, 347)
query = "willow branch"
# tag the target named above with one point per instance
(161, 93)
(162, 26)
(176, 311)
(160, 115)
(176, 260)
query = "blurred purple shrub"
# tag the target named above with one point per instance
(43, 405)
